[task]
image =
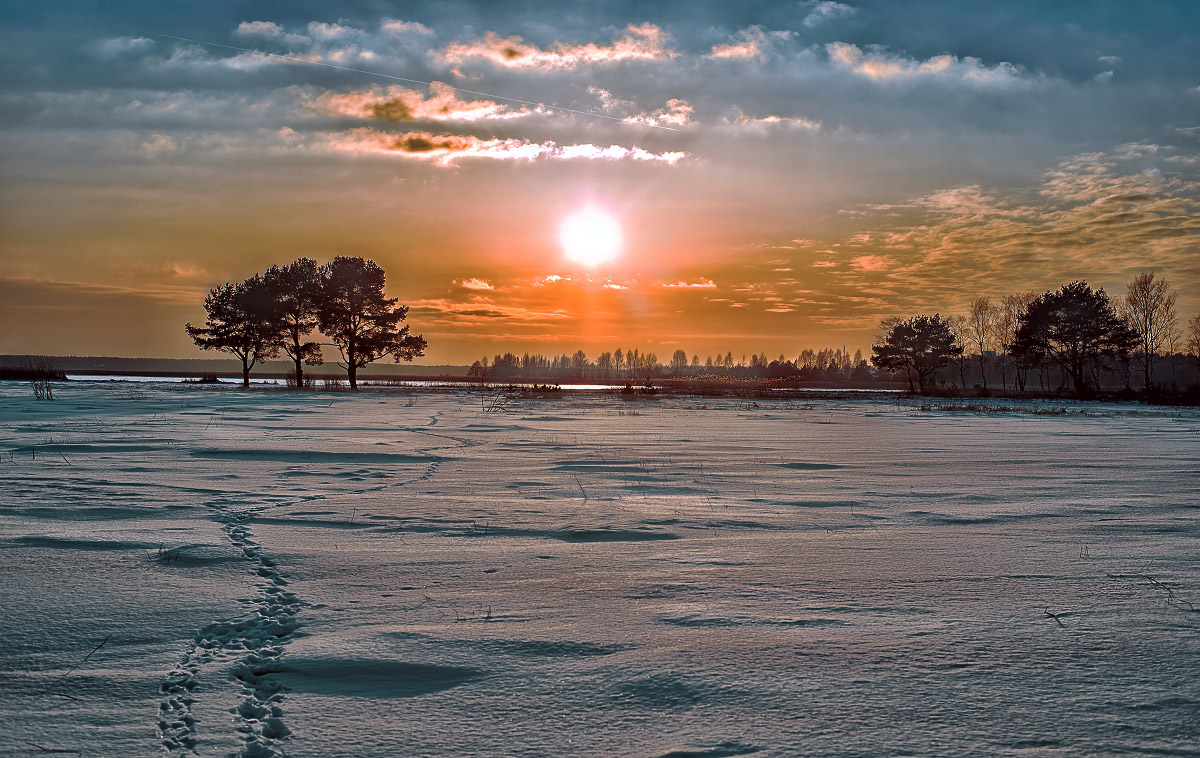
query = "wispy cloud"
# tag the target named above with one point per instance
(771, 121)
(885, 66)
(827, 11)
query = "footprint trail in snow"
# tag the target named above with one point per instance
(251, 646)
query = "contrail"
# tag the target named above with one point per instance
(410, 81)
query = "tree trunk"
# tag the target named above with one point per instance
(299, 372)
(910, 384)
(352, 374)
(245, 374)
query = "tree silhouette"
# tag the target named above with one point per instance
(296, 288)
(359, 319)
(922, 344)
(679, 363)
(1075, 327)
(243, 319)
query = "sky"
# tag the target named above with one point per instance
(784, 174)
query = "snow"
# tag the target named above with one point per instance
(391, 573)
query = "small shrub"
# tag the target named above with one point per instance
(42, 370)
(310, 381)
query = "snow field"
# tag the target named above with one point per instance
(391, 574)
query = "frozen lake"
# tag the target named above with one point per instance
(271, 574)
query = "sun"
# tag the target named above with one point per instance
(590, 236)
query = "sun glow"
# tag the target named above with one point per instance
(590, 236)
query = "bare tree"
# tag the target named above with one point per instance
(1193, 342)
(981, 328)
(958, 327)
(1007, 321)
(1149, 309)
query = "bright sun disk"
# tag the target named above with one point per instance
(590, 236)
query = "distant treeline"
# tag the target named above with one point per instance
(830, 365)
(1073, 340)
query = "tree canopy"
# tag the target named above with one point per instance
(242, 319)
(296, 289)
(360, 320)
(920, 344)
(1076, 327)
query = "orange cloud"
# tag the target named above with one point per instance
(701, 283)
(871, 263)
(446, 149)
(396, 103)
(643, 42)
(474, 283)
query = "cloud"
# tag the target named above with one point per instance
(644, 42)
(827, 11)
(400, 28)
(396, 103)
(156, 144)
(701, 283)
(765, 123)
(750, 43)
(480, 311)
(676, 112)
(871, 263)
(475, 283)
(118, 46)
(882, 66)
(1098, 216)
(259, 29)
(320, 30)
(446, 149)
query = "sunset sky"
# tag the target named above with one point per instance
(825, 164)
